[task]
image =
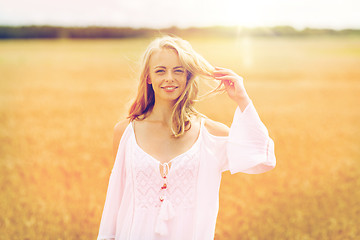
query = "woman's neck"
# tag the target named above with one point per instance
(161, 112)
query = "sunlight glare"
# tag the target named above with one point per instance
(245, 13)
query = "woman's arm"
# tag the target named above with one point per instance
(249, 147)
(116, 185)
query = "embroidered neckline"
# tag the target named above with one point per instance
(180, 156)
(174, 190)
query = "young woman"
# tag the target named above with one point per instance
(169, 157)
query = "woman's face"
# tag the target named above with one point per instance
(167, 75)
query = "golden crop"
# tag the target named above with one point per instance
(60, 100)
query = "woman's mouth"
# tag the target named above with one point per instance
(169, 88)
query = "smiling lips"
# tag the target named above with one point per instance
(169, 88)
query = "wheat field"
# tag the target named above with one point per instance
(61, 98)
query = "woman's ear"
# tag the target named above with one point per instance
(148, 80)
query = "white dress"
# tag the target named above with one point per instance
(139, 207)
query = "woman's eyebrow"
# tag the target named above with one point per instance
(165, 67)
(159, 67)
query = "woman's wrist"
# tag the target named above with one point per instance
(242, 101)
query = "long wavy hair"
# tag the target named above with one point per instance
(196, 67)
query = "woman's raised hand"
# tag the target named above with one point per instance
(234, 86)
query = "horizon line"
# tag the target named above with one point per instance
(179, 27)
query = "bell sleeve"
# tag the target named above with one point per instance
(249, 149)
(114, 194)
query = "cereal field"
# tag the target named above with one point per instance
(60, 100)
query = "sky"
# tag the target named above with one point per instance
(336, 14)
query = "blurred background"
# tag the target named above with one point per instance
(68, 71)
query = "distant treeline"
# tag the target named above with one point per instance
(28, 32)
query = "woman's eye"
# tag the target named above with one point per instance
(179, 71)
(159, 71)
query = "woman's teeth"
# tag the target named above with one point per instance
(169, 88)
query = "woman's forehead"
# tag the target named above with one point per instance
(164, 57)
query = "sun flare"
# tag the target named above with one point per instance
(245, 13)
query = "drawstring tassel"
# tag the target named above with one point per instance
(166, 213)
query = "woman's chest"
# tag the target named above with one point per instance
(161, 145)
(151, 188)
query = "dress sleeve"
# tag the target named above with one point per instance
(249, 149)
(114, 194)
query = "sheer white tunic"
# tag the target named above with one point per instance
(188, 210)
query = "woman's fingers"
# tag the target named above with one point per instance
(227, 82)
(223, 72)
(227, 78)
(233, 83)
(230, 78)
(226, 74)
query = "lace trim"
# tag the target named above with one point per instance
(181, 181)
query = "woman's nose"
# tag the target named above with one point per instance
(169, 77)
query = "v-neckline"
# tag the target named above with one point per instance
(197, 142)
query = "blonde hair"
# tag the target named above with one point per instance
(196, 66)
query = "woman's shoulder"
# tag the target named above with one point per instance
(120, 127)
(216, 128)
(119, 130)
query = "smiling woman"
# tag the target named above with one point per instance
(169, 158)
(166, 75)
(170, 63)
